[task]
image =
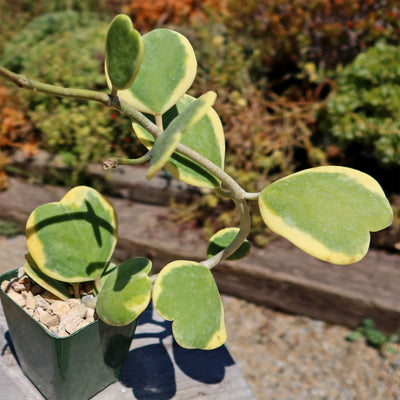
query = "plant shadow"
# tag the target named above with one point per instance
(151, 371)
(9, 344)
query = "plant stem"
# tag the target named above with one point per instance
(252, 196)
(231, 187)
(82, 94)
(239, 239)
(113, 162)
(114, 91)
(76, 287)
(159, 121)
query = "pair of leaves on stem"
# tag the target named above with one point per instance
(184, 292)
(156, 69)
(72, 241)
(167, 68)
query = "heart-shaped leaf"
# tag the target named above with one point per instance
(72, 240)
(327, 212)
(59, 289)
(166, 143)
(167, 71)
(206, 137)
(222, 239)
(185, 292)
(124, 52)
(126, 293)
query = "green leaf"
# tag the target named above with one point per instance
(185, 292)
(354, 336)
(224, 238)
(166, 143)
(368, 323)
(59, 289)
(124, 52)
(394, 338)
(167, 71)
(375, 337)
(72, 240)
(126, 293)
(206, 137)
(327, 212)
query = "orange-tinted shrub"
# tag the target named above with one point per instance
(15, 130)
(149, 14)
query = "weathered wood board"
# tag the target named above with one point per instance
(280, 276)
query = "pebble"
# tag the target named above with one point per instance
(80, 309)
(41, 302)
(61, 318)
(17, 297)
(89, 301)
(5, 285)
(60, 308)
(73, 302)
(18, 287)
(71, 322)
(49, 320)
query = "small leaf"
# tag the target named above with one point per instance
(375, 338)
(206, 137)
(224, 238)
(327, 211)
(166, 143)
(166, 73)
(368, 323)
(72, 240)
(354, 336)
(124, 52)
(185, 292)
(126, 293)
(59, 289)
(394, 338)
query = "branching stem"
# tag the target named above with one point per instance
(231, 188)
(113, 162)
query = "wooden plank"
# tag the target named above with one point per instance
(126, 181)
(156, 368)
(280, 276)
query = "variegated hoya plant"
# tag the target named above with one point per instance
(327, 211)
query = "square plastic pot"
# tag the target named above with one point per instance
(75, 367)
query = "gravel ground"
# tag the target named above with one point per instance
(285, 357)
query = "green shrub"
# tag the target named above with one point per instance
(365, 108)
(67, 49)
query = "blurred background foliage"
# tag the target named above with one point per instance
(300, 83)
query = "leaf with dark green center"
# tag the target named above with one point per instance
(59, 289)
(206, 137)
(124, 52)
(166, 73)
(185, 292)
(166, 143)
(222, 239)
(126, 292)
(72, 240)
(327, 212)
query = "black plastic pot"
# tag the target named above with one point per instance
(75, 367)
